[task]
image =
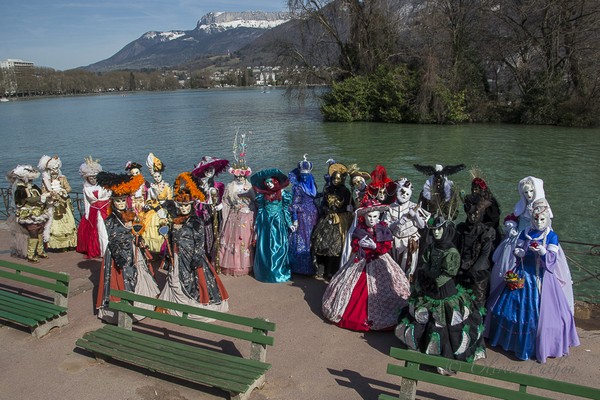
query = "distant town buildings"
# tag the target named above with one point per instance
(17, 76)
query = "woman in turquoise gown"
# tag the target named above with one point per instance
(272, 226)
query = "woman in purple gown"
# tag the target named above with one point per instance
(304, 214)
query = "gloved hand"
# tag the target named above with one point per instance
(519, 252)
(367, 243)
(537, 248)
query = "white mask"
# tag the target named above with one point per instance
(372, 218)
(540, 221)
(157, 176)
(438, 233)
(120, 203)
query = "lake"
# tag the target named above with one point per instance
(180, 127)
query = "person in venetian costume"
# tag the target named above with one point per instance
(381, 188)
(30, 214)
(60, 232)
(125, 264)
(370, 290)
(442, 318)
(439, 195)
(475, 242)
(209, 210)
(236, 252)
(358, 188)
(192, 280)
(304, 213)
(92, 238)
(358, 184)
(157, 192)
(329, 235)
(530, 190)
(536, 320)
(491, 214)
(405, 219)
(272, 226)
(503, 259)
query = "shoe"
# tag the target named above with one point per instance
(445, 372)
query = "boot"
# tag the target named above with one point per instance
(40, 248)
(31, 247)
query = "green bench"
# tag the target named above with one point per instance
(411, 373)
(31, 309)
(211, 367)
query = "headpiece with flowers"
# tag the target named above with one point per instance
(240, 150)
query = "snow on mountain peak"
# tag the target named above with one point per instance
(164, 36)
(219, 21)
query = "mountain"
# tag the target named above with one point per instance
(216, 34)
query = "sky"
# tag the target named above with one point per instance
(63, 34)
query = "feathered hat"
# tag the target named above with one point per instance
(90, 167)
(258, 180)
(478, 179)
(240, 150)
(354, 171)
(380, 182)
(154, 164)
(120, 184)
(206, 162)
(184, 183)
(23, 173)
(47, 162)
(369, 205)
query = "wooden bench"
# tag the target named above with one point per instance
(411, 373)
(30, 309)
(233, 373)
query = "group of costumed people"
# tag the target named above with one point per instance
(390, 263)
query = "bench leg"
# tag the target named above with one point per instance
(408, 389)
(259, 383)
(43, 329)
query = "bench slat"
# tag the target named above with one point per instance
(54, 286)
(231, 365)
(495, 373)
(18, 318)
(27, 310)
(58, 276)
(457, 383)
(124, 306)
(161, 364)
(225, 317)
(34, 303)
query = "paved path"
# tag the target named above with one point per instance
(311, 359)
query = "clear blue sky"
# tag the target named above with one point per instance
(64, 34)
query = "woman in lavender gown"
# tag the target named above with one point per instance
(535, 321)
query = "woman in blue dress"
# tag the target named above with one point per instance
(272, 226)
(535, 321)
(304, 213)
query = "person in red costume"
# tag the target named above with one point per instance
(370, 290)
(92, 238)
